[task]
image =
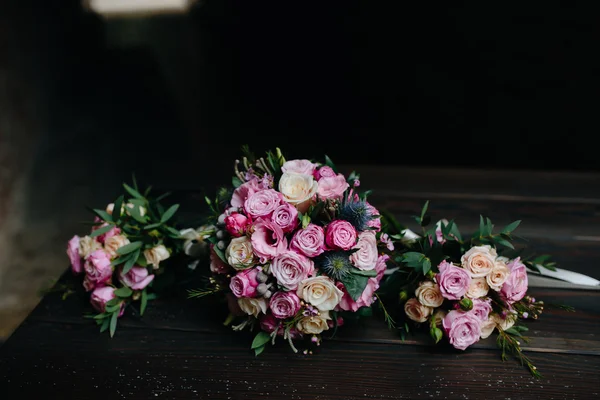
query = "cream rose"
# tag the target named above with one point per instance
(314, 324)
(321, 292)
(487, 327)
(298, 189)
(417, 311)
(505, 323)
(87, 245)
(497, 276)
(477, 288)
(155, 255)
(479, 260)
(428, 293)
(113, 243)
(253, 305)
(239, 253)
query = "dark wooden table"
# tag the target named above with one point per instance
(179, 349)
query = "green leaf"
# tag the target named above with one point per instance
(136, 213)
(330, 163)
(113, 323)
(131, 262)
(116, 214)
(113, 302)
(121, 259)
(133, 192)
(236, 182)
(152, 226)
(112, 309)
(481, 226)
(365, 311)
(436, 334)
(129, 248)
(141, 260)
(504, 242)
(259, 350)
(105, 324)
(102, 230)
(513, 331)
(103, 214)
(511, 227)
(100, 316)
(541, 259)
(424, 209)
(123, 292)
(143, 302)
(369, 273)
(260, 339)
(355, 285)
(426, 265)
(169, 213)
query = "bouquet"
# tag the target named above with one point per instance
(131, 243)
(294, 249)
(465, 289)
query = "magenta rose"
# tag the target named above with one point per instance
(244, 283)
(268, 240)
(291, 268)
(462, 328)
(305, 167)
(262, 203)
(97, 269)
(332, 187)
(74, 256)
(286, 216)
(452, 280)
(102, 295)
(515, 286)
(365, 300)
(381, 265)
(374, 223)
(324, 172)
(237, 224)
(245, 190)
(217, 266)
(481, 309)
(105, 236)
(284, 304)
(137, 278)
(340, 235)
(309, 241)
(269, 323)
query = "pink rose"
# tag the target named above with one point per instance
(102, 295)
(515, 286)
(309, 241)
(366, 256)
(269, 323)
(242, 192)
(237, 224)
(244, 283)
(286, 216)
(324, 172)
(137, 278)
(462, 328)
(305, 167)
(74, 256)
(97, 268)
(381, 265)
(365, 300)
(105, 236)
(439, 237)
(284, 304)
(340, 235)
(375, 222)
(332, 187)
(268, 240)
(481, 309)
(453, 281)
(291, 268)
(217, 266)
(262, 203)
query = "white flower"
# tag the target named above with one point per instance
(253, 305)
(479, 260)
(113, 243)
(87, 245)
(239, 253)
(417, 311)
(155, 255)
(505, 323)
(429, 294)
(298, 189)
(487, 327)
(195, 245)
(497, 275)
(313, 325)
(478, 288)
(321, 292)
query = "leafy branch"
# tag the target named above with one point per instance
(508, 341)
(386, 316)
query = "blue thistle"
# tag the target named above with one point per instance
(357, 212)
(335, 264)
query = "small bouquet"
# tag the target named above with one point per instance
(295, 248)
(131, 243)
(465, 289)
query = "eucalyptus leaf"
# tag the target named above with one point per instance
(511, 227)
(131, 262)
(330, 163)
(143, 302)
(103, 215)
(169, 213)
(123, 292)
(129, 248)
(116, 214)
(133, 192)
(101, 230)
(370, 273)
(113, 323)
(105, 324)
(260, 339)
(355, 285)
(259, 350)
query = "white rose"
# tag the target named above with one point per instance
(478, 288)
(429, 294)
(505, 323)
(155, 255)
(298, 189)
(113, 243)
(321, 292)
(87, 245)
(315, 324)
(417, 311)
(488, 327)
(253, 305)
(479, 260)
(366, 256)
(239, 253)
(498, 275)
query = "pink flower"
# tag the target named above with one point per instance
(453, 281)
(286, 216)
(237, 224)
(309, 241)
(385, 239)
(269, 323)
(98, 269)
(137, 278)
(366, 256)
(381, 265)
(515, 286)
(245, 190)
(439, 237)
(102, 295)
(375, 222)
(324, 172)
(262, 203)
(462, 328)
(268, 240)
(217, 266)
(244, 283)
(482, 309)
(74, 256)
(332, 187)
(105, 236)
(340, 235)
(290, 268)
(365, 300)
(305, 167)
(284, 304)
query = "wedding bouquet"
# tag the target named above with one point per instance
(465, 289)
(294, 248)
(131, 242)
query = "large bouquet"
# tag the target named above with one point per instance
(294, 248)
(465, 289)
(130, 243)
